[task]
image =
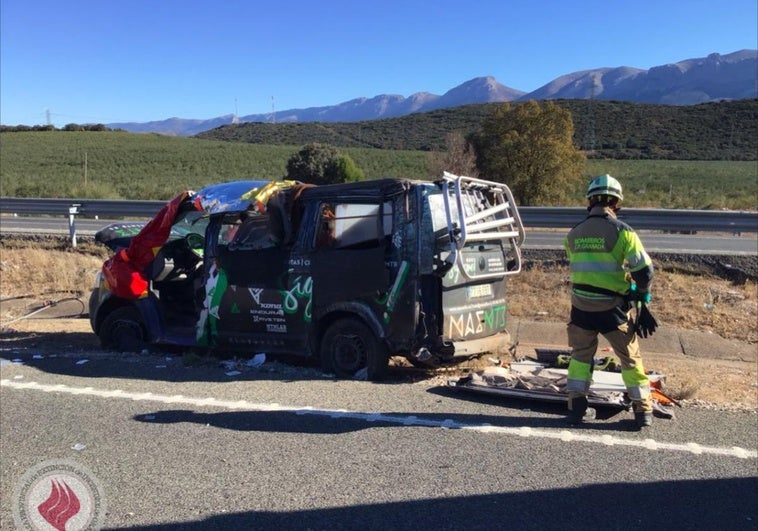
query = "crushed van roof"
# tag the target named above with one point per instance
(233, 196)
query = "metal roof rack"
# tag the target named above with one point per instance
(484, 211)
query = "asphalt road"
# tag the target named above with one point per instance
(190, 447)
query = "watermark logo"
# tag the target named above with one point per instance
(59, 494)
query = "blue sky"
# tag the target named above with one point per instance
(140, 60)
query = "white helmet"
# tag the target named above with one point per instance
(605, 185)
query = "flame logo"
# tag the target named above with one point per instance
(60, 506)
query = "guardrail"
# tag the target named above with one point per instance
(91, 208)
(673, 220)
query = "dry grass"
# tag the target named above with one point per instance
(43, 270)
(33, 269)
(705, 303)
(692, 302)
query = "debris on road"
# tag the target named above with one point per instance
(535, 381)
(257, 360)
(237, 366)
(544, 380)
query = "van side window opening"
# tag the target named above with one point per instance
(351, 225)
(325, 233)
(251, 234)
(228, 231)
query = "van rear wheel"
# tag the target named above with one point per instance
(122, 330)
(349, 348)
(94, 299)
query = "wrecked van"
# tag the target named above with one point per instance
(349, 273)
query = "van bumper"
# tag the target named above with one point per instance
(495, 344)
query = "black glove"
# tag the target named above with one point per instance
(646, 324)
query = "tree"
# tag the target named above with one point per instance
(459, 158)
(347, 170)
(530, 148)
(322, 164)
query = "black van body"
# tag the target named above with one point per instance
(352, 273)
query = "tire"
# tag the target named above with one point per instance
(122, 330)
(350, 347)
(92, 307)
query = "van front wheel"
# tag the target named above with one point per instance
(351, 349)
(122, 330)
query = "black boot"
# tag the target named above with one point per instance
(577, 410)
(643, 418)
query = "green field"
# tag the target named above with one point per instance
(132, 166)
(136, 166)
(710, 185)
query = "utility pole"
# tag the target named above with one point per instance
(273, 112)
(591, 115)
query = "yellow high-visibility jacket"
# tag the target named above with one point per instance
(605, 255)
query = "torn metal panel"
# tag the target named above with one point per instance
(534, 381)
(602, 381)
(228, 197)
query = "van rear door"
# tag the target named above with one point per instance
(480, 247)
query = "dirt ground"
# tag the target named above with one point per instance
(31, 273)
(713, 384)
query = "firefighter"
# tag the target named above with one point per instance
(610, 273)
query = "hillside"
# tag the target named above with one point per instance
(697, 80)
(604, 129)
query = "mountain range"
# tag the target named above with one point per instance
(688, 82)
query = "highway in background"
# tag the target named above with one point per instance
(705, 243)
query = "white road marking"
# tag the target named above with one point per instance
(401, 420)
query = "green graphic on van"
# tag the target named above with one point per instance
(391, 298)
(215, 287)
(477, 321)
(299, 292)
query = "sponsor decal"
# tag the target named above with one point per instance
(256, 294)
(298, 295)
(477, 321)
(299, 262)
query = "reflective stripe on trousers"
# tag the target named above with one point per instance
(625, 346)
(579, 376)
